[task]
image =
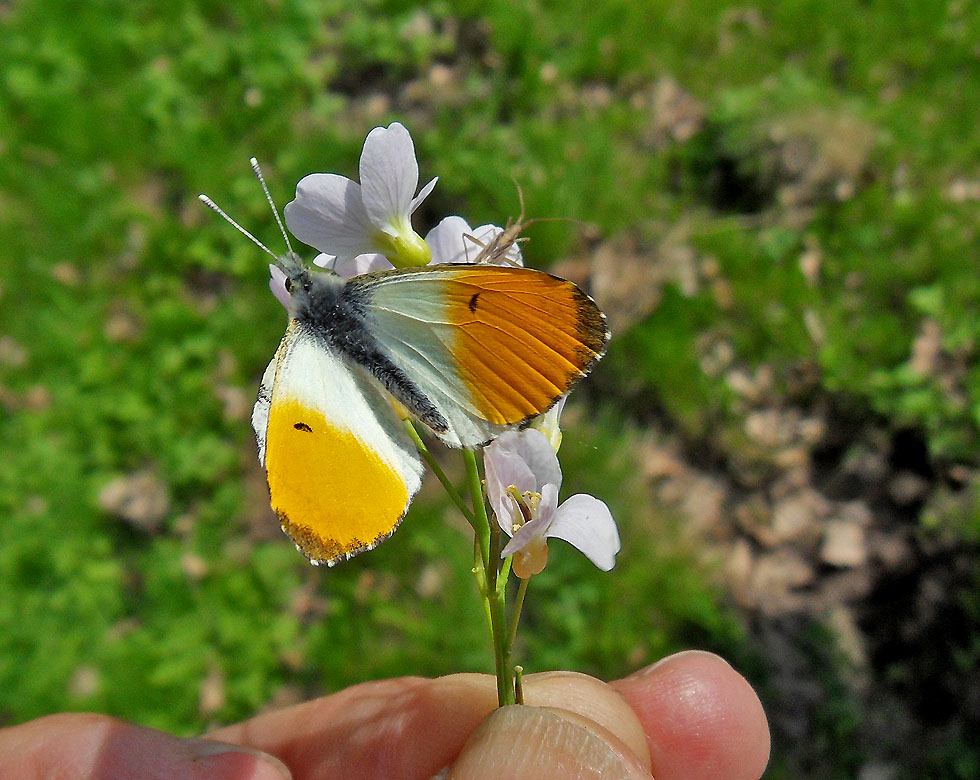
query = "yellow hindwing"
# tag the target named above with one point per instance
(333, 493)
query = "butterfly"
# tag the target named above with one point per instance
(469, 351)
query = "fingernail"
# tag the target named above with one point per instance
(242, 763)
(676, 657)
(532, 743)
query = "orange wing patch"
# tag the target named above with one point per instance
(334, 496)
(524, 337)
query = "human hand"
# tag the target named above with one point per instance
(688, 717)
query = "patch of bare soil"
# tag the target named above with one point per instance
(812, 517)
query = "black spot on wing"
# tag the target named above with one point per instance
(302, 426)
(473, 302)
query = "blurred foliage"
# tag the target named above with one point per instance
(127, 311)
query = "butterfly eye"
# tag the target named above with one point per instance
(288, 284)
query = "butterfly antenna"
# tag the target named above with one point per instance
(218, 210)
(272, 203)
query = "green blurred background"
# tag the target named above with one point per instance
(783, 207)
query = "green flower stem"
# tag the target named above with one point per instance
(482, 522)
(495, 559)
(490, 548)
(498, 622)
(480, 572)
(505, 685)
(515, 617)
(457, 499)
(504, 575)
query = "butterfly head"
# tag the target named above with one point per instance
(307, 287)
(298, 276)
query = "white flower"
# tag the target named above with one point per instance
(360, 228)
(523, 478)
(345, 219)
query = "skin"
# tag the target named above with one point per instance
(688, 717)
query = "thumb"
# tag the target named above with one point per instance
(539, 743)
(578, 728)
(97, 747)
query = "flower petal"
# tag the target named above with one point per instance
(586, 523)
(423, 194)
(389, 176)
(447, 243)
(537, 529)
(504, 507)
(526, 534)
(362, 264)
(505, 468)
(277, 283)
(534, 448)
(328, 214)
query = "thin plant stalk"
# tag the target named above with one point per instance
(454, 495)
(479, 505)
(515, 617)
(490, 542)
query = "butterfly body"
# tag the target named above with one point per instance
(333, 311)
(469, 351)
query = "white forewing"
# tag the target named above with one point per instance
(260, 412)
(307, 370)
(407, 314)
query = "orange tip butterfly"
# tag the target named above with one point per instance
(470, 351)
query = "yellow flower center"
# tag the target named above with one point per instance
(525, 505)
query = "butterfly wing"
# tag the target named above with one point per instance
(490, 346)
(342, 470)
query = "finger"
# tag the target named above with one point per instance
(539, 743)
(589, 698)
(404, 729)
(411, 728)
(572, 725)
(96, 747)
(701, 717)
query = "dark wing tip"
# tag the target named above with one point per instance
(327, 552)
